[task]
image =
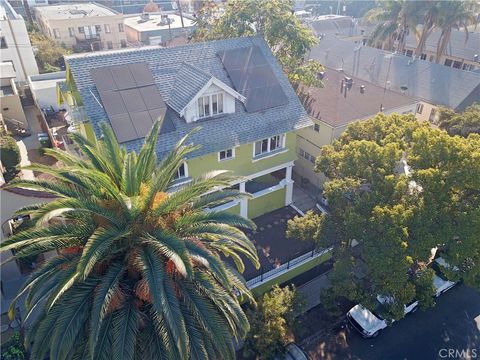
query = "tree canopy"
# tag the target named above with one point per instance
(397, 188)
(275, 21)
(48, 53)
(138, 272)
(463, 123)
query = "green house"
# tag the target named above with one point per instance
(234, 90)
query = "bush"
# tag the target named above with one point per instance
(14, 349)
(9, 152)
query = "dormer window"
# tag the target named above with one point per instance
(209, 105)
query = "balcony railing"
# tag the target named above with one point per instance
(289, 265)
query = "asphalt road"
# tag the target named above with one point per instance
(450, 330)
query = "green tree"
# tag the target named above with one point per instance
(272, 322)
(397, 188)
(463, 124)
(138, 273)
(9, 151)
(48, 53)
(274, 20)
(454, 15)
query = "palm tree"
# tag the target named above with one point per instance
(430, 17)
(138, 273)
(394, 19)
(454, 15)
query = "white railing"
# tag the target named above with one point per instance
(289, 265)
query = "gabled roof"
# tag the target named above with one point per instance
(338, 108)
(190, 82)
(219, 132)
(434, 83)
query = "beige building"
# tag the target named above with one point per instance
(15, 44)
(83, 27)
(342, 101)
(10, 104)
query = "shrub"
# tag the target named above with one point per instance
(9, 152)
(14, 349)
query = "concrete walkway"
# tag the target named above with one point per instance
(302, 200)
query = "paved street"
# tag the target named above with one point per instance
(453, 324)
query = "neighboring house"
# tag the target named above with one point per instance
(157, 28)
(342, 101)
(433, 84)
(233, 89)
(82, 26)
(461, 53)
(44, 89)
(15, 45)
(10, 104)
(339, 25)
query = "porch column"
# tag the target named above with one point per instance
(243, 202)
(288, 186)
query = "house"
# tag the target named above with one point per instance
(15, 44)
(233, 89)
(82, 26)
(433, 84)
(157, 28)
(11, 105)
(344, 99)
(339, 25)
(462, 52)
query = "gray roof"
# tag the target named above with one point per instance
(457, 46)
(217, 133)
(424, 80)
(188, 82)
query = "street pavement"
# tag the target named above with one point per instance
(450, 330)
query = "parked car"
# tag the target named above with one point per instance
(370, 323)
(293, 352)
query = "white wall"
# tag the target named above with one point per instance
(44, 89)
(19, 49)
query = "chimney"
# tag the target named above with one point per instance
(341, 87)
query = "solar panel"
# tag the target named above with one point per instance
(253, 77)
(131, 100)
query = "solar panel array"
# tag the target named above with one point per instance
(253, 77)
(131, 99)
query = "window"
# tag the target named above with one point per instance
(98, 28)
(419, 108)
(210, 105)
(71, 31)
(181, 172)
(457, 64)
(430, 58)
(423, 56)
(433, 113)
(226, 154)
(3, 43)
(448, 62)
(107, 28)
(123, 43)
(316, 127)
(109, 45)
(120, 27)
(56, 33)
(268, 145)
(81, 30)
(409, 53)
(307, 156)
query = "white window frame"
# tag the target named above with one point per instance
(210, 105)
(56, 33)
(107, 28)
(121, 28)
(185, 168)
(226, 158)
(71, 31)
(269, 145)
(419, 108)
(316, 127)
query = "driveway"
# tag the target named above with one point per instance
(450, 330)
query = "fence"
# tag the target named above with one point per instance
(282, 269)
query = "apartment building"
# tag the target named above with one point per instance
(342, 101)
(15, 44)
(82, 26)
(432, 84)
(11, 105)
(462, 52)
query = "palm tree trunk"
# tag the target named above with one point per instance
(426, 31)
(442, 44)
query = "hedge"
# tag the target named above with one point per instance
(9, 152)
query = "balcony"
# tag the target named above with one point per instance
(90, 42)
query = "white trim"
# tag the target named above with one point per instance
(185, 167)
(297, 210)
(226, 159)
(265, 154)
(221, 85)
(268, 155)
(269, 190)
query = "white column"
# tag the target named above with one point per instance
(243, 202)
(288, 186)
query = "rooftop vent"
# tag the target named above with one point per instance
(348, 82)
(320, 75)
(78, 12)
(403, 89)
(475, 57)
(362, 89)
